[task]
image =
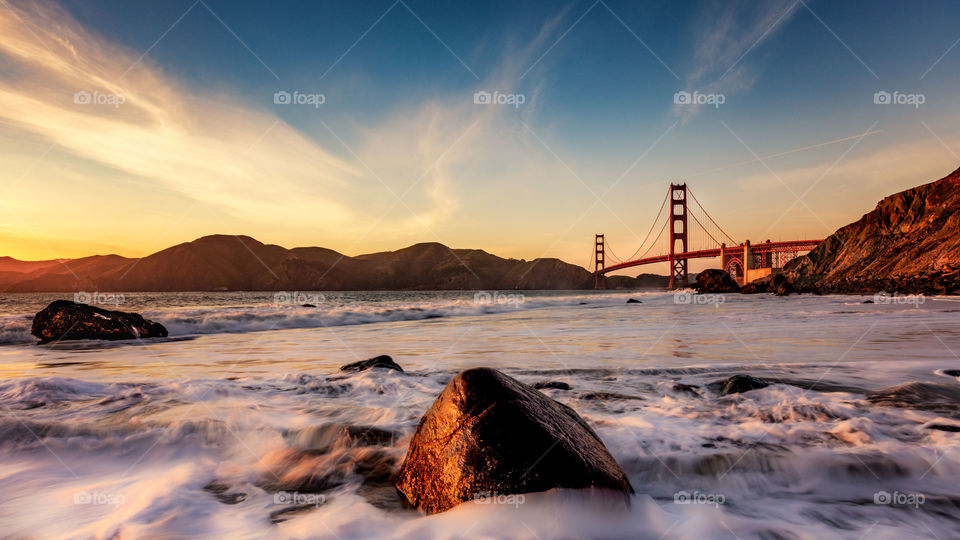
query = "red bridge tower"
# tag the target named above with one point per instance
(678, 233)
(599, 280)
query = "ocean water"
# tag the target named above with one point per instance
(239, 424)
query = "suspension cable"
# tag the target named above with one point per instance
(719, 228)
(652, 226)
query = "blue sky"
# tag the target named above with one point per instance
(398, 152)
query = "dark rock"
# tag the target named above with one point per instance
(64, 319)
(952, 372)
(741, 383)
(780, 286)
(633, 301)
(686, 389)
(221, 492)
(716, 281)
(945, 427)
(326, 437)
(559, 385)
(607, 396)
(868, 301)
(307, 305)
(488, 433)
(940, 398)
(382, 361)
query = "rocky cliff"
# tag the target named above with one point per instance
(910, 243)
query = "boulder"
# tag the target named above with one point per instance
(741, 383)
(64, 319)
(382, 361)
(489, 434)
(716, 281)
(780, 285)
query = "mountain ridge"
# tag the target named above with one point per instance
(241, 263)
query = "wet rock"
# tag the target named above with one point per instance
(715, 281)
(868, 302)
(307, 305)
(559, 385)
(941, 398)
(607, 396)
(686, 389)
(945, 427)
(64, 319)
(221, 492)
(489, 433)
(780, 285)
(634, 301)
(952, 372)
(326, 437)
(738, 384)
(382, 361)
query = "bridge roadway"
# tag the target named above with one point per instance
(755, 249)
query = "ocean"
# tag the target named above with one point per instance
(239, 424)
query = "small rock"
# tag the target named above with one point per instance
(868, 301)
(307, 305)
(945, 427)
(686, 389)
(634, 301)
(741, 383)
(715, 281)
(382, 361)
(559, 385)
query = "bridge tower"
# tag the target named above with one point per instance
(678, 235)
(599, 280)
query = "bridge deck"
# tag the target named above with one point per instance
(756, 249)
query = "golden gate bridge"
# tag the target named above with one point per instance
(677, 242)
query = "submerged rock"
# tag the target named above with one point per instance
(64, 319)
(382, 361)
(488, 433)
(941, 398)
(559, 385)
(682, 388)
(740, 383)
(715, 281)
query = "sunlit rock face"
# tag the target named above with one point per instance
(908, 243)
(488, 434)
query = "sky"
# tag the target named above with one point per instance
(130, 126)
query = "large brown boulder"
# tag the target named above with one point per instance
(64, 319)
(489, 434)
(716, 281)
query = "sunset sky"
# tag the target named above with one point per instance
(398, 152)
